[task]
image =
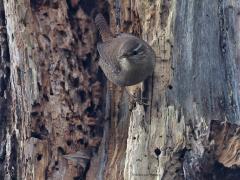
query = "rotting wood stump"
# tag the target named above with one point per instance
(54, 99)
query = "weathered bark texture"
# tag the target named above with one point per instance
(55, 101)
(191, 128)
(55, 90)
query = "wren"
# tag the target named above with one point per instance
(125, 59)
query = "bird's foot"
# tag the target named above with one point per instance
(139, 100)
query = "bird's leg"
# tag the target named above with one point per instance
(139, 100)
(134, 93)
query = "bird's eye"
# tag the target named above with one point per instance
(135, 52)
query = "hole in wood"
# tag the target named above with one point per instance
(56, 163)
(69, 142)
(81, 141)
(34, 113)
(157, 151)
(82, 95)
(61, 150)
(39, 157)
(170, 87)
(79, 127)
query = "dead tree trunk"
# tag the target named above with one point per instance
(54, 100)
(50, 89)
(190, 131)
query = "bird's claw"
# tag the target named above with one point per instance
(139, 100)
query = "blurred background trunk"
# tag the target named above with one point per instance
(55, 101)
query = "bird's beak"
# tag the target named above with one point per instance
(123, 56)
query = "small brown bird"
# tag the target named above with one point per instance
(125, 59)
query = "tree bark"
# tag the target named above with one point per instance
(55, 90)
(190, 130)
(54, 100)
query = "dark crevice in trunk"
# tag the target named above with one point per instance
(5, 97)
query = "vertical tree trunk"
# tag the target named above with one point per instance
(54, 90)
(190, 130)
(55, 101)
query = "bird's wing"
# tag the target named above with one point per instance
(108, 56)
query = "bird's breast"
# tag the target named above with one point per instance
(135, 73)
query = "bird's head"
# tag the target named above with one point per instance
(132, 52)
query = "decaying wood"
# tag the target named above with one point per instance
(55, 88)
(54, 100)
(5, 102)
(195, 83)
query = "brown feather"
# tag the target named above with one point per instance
(103, 28)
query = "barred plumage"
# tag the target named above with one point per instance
(103, 28)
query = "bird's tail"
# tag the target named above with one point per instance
(103, 27)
